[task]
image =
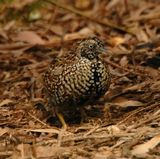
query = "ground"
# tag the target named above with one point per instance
(125, 123)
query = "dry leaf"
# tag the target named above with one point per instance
(82, 4)
(3, 131)
(124, 61)
(57, 29)
(85, 32)
(144, 148)
(124, 102)
(50, 151)
(29, 37)
(112, 4)
(142, 35)
(137, 87)
(5, 102)
(156, 86)
(114, 41)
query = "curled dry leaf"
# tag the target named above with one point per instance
(144, 148)
(124, 61)
(114, 41)
(142, 35)
(137, 87)
(124, 102)
(5, 102)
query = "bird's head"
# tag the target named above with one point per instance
(91, 48)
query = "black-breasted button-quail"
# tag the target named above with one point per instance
(78, 78)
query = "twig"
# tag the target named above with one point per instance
(107, 136)
(145, 121)
(136, 112)
(78, 12)
(38, 119)
(91, 131)
(50, 130)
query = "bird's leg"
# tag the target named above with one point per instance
(61, 118)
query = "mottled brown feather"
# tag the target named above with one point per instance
(78, 78)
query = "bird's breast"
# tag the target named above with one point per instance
(80, 82)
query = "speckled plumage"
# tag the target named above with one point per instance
(78, 78)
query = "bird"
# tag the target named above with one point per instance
(77, 78)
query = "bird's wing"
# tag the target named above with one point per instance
(56, 68)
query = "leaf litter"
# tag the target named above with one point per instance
(123, 124)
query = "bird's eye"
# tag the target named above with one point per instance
(90, 46)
